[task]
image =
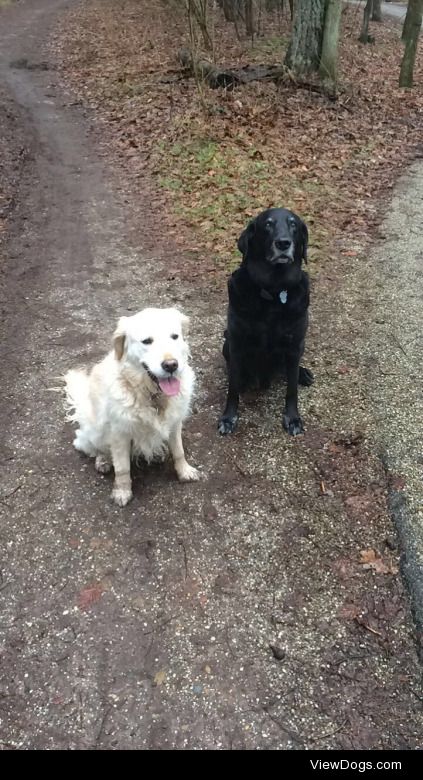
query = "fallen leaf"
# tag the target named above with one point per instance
(367, 556)
(159, 678)
(370, 560)
(349, 611)
(90, 595)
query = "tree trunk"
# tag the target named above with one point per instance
(412, 32)
(272, 5)
(364, 35)
(377, 11)
(303, 55)
(230, 10)
(329, 56)
(249, 17)
(405, 25)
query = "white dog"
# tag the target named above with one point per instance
(133, 403)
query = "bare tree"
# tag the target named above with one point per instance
(367, 13)
(231, 9)
(411, 32)
(377, 11)
(406, 23)
(250, 22)
(329, 53)
(198, 11)
(304, 49)
(246, 10)
(278, 5)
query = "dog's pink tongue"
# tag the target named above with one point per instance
(170, 386)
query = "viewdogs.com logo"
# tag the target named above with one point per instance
(360, 766)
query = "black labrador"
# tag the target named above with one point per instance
(268, 314)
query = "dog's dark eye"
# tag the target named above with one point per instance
(147, 341)
(293, 223)
(174, 336)
(269, 223)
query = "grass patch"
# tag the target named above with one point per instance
(219, 185)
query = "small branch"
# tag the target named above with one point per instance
(182, 544)
(330, 733)
(161, 626)
(12, 493)
(102, 724)
(5, 585)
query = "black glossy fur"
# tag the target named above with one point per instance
(268, 314)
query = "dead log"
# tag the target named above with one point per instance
(228, 77)
(232, 77)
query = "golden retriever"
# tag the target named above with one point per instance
(133, 402)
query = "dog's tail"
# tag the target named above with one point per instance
(78, 404)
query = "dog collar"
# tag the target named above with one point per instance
(283, 296)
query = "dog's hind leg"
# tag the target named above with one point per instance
(103, 464)
(305, 377)
(83, 444)
(185, 472)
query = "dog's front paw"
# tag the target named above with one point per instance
(293, 425)
(121, 496)
(188, 474)
(227, 425)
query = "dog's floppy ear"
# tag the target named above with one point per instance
(245, 236)
(304, 238)
(119, 337)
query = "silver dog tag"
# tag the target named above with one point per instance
(283, 295)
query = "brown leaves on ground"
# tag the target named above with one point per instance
(370, 559)
(220, 156)
(90, 595)
(379, 615)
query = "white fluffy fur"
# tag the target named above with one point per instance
(118, 405)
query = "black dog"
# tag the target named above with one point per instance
(268, 314)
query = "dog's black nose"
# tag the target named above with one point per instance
(170, 366)
(283, 244)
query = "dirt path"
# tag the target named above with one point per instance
(150, 627)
